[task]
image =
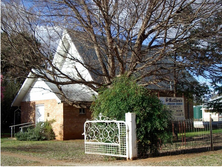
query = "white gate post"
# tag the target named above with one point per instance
(132, 144)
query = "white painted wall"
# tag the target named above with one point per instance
(39, 91)
(66, 60)
(70, 65)
(206, 115)
(61, 51)
(198, 124)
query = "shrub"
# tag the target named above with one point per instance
(152, 117)
(42, 131)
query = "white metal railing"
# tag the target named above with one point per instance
(13, 127)
(26, 126)
(106, 137)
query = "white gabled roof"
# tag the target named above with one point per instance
(74, 92)
(23, 90)
(85, 54)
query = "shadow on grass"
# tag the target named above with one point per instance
(189, 151)
(182, 151)
(27, 149)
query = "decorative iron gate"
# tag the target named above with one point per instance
(106, 137)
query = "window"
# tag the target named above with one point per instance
(82, 111)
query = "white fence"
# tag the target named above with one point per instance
(111, 137)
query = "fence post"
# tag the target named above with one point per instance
(184, 124)
(132, 144)
(211, 135)
(11, 131)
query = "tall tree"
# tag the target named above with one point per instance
(2, 89)
(19, 51)
(9, 115)
(131, 37)
(203, 51)
(201, 55)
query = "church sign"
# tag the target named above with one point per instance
(176, 104)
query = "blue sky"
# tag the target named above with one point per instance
(43, 36)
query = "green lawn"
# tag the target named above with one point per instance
(73, 151)
(198, 133)
(9, 161)
(59, 150)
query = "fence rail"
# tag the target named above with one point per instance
(20, 126)
(189, 138)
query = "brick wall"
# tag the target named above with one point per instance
(69, 123)
(74, 122)
(27, 112)
(53, 111)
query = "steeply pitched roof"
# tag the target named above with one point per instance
(87, 52)
(77, 92)
(74, 92)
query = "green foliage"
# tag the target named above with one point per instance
(17, 58)
(152, 117)
(193, 91)
(215, 105)
(42, 131)
(19, 54)
(9, 115)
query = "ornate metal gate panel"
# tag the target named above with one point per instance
(106, 137)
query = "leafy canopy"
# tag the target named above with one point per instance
(42, 131)
(152, 117)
